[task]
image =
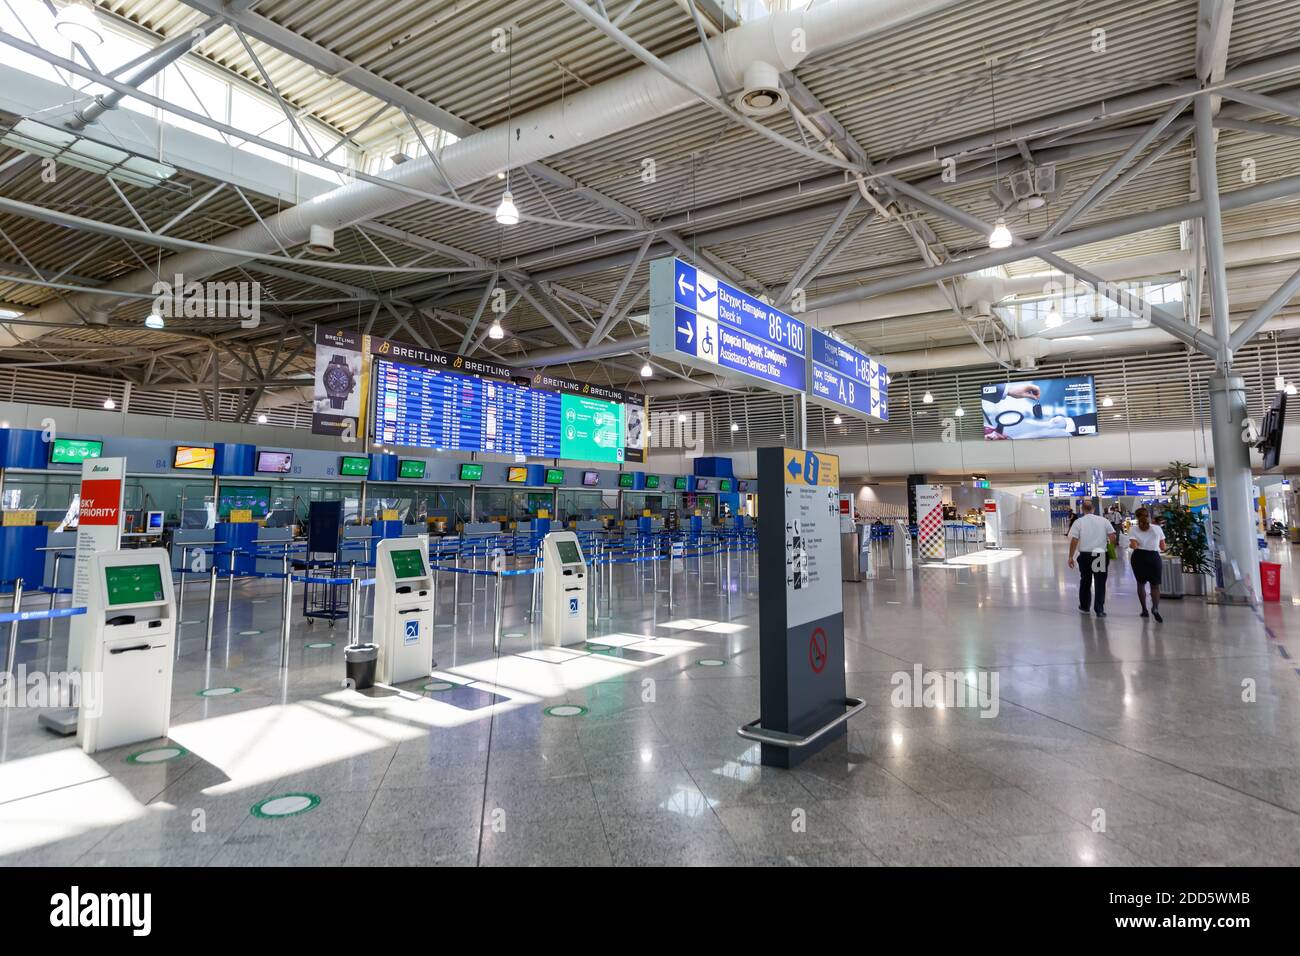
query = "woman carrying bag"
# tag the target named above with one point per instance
(1147, 541)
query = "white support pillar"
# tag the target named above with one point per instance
(1236, 535)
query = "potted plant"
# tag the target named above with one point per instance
(1184, 531)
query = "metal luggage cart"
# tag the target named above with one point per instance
(324, 601)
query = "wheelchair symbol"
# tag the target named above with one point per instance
(706, 343)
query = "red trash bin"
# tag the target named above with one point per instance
(1270, 579)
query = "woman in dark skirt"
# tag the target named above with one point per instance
(1147, 541)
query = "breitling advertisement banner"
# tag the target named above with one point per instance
(341, 384)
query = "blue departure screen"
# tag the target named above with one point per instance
(418, 407)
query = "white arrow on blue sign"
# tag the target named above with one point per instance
(699, 320)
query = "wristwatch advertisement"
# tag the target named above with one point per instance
(340, 386)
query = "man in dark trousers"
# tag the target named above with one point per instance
(1089, 536)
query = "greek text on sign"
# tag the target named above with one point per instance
(840, 375)
(699, 320)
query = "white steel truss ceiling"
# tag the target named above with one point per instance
(913, 88)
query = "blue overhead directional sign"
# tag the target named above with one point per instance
(840, 375)
(698, 320)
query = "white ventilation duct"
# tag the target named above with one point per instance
(632, 99)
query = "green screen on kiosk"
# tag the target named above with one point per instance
(133, 584)
(408, 563)
(652, 481)
(568, 551)
(355, 466)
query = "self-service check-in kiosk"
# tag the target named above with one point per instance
(564, 590)
(403, 609)
(126, 665)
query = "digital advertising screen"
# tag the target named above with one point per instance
(1039, 408)
(592, 429)
(355, 466)
(591, 478)
(197, 457)
(516, 476)
(410, 468)
(275, 462)
(470, 472)
(73, 451)
(257, 500)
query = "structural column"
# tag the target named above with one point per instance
(1235, 531)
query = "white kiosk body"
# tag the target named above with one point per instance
(902, 545)
(126, 664)
(403, 609)
(992, 524)
(564, 590)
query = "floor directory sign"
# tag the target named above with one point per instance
(698, 320)
(801, 624)
(841, 376)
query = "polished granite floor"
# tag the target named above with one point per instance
(1116, 741)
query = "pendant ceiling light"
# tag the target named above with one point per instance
(647, 370)
(508, 212)
(1000, 237)
(495, 331)
(927, 398)
(1053, 319)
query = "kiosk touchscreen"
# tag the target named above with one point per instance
(126, 663)
(403, 609)
(564, 590)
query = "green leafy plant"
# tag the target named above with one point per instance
(1183, 528)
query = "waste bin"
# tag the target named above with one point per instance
(1270, 580)
(361, 661)
(1171, 577)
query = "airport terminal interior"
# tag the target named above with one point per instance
(649, 433)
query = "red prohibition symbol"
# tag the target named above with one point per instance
(817, 650)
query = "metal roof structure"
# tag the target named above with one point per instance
(993, 86)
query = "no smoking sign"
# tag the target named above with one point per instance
(817, 650)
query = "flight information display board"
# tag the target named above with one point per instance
(418, 407)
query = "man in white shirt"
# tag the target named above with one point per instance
(1088, 539)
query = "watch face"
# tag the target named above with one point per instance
(338, 380)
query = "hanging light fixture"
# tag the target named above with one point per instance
(1279, 383)
(1053, 319)
(927, 398)
(1290, 388)
(78, 23)
(735, 427)
(1107, 402)
(494, 330)
(959, 411)
(647, 370)
(261, 418)
(1000, 237)
(837, 420)
(109, 404)
(153, 321)
(508, 212)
